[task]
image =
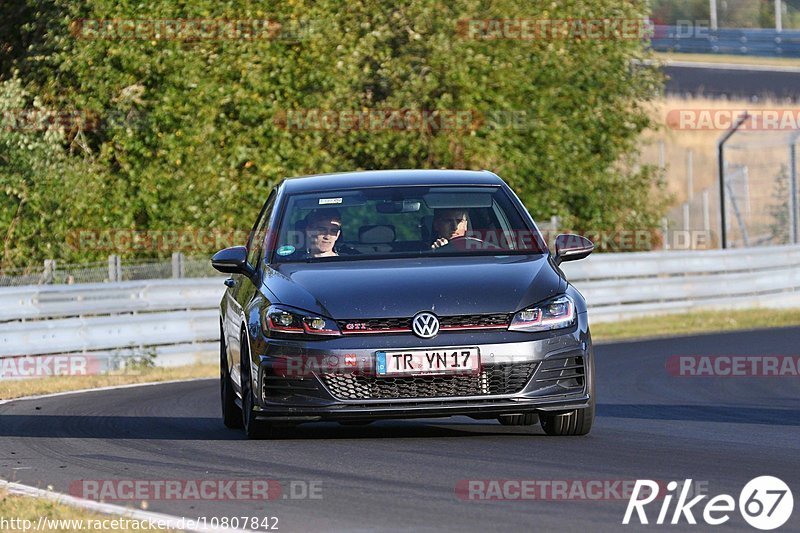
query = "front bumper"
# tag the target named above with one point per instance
(335, 379)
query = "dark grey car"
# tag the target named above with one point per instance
(402, 294)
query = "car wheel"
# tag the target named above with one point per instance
(231, 414)
(253, 428)
(575, 422)
(525, 419)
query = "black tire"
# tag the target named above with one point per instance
(231, 414)
(575, 422)
(253, 428)
(525, 419)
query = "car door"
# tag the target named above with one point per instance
(243, 289)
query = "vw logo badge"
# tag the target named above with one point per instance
(425, 325)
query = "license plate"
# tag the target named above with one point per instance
(426, 362)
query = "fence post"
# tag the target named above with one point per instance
(713, 14)
(721, 159)
(114, 268)
(177, 265)
(49, 271)
(793, 190)
(686, 221)
(665, 232)
(689, 175)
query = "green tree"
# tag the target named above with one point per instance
(191, 133)
(780, 210)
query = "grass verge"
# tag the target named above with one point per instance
(22, 511)
(695, 322)
(29, 387)
(728, 59)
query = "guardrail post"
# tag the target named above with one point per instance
(49, 271)
(665, 232)
(114, 268)
(177, 265)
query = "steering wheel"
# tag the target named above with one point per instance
(466, 243)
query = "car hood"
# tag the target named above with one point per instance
(403, 287)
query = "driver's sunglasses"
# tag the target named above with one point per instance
(325, 230)
(453, 221)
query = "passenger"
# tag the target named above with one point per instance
(322, 229)
(449, 224)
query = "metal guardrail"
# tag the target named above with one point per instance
(173, 320)
(113, 270)
(176, 320)
(621, 286)
(735, 41)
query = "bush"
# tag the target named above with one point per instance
(192, 134)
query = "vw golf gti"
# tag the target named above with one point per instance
(402, 294)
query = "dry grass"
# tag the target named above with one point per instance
(29, 387)
(28, 508)
(695, 322)
(735, 60)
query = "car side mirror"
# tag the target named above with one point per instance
(571, 247)
(233, 260)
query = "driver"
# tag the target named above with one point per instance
(322, 227)
(449, 224)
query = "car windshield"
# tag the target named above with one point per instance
(393, 222)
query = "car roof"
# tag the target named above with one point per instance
(384, 178)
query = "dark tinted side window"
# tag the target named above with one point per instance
(259, 233)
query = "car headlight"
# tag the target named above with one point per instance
(280, 321)
(553, 314)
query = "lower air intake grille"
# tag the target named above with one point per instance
(508, 378)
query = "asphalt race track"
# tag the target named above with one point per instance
(732, 81)
(719, 431)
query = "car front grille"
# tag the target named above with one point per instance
(473, 321)
(403, 325)
(506, 378)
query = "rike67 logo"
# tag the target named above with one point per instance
(765, 503)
